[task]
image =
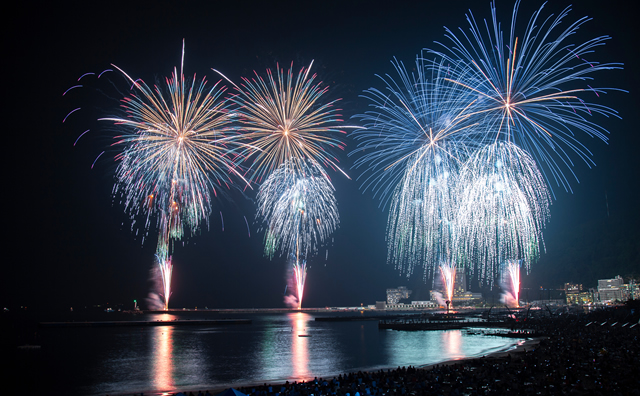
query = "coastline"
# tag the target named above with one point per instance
(521, 347)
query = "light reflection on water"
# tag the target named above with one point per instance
(452, 341)
(162, 359)
(419, 348)
(284, 355)
(133, 360)
(162, 354)
(300, 345)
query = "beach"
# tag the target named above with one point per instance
(579, 352)
(591, 354)
(521, 347)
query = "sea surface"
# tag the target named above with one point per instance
(127, 360)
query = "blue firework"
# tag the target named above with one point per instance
(532, 87)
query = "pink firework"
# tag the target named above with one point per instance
(448, 271)
(166, 268)
(512, 268)
(300, 273)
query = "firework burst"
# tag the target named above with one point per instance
(504, 206)
(286, 120)
(415, 140)
(178, 153)
(297, 204)
(299, 207)
(479, 114)
(532, 86)
(292, 135)
(414, 118)
(420, 228)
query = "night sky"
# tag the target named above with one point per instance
(68, 243)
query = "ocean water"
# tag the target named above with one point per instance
(127, 360)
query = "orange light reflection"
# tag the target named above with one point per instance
(452, 340)
(300, 345)
(163, 356)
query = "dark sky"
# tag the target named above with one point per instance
(70, 244)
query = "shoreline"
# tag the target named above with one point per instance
(520, 348)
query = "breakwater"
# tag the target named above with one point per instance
(431, 324)
(144, 323)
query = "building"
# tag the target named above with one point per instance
(575, 295)
(581, 298)
(466, 297)
(612, 290)
(460, 285)
(461, 295)
(572, 288)
(395, 295)
(634, 290)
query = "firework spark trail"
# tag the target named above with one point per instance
(300, 273)
(420, 228)
(71, 112)
(530, 95)
(504, 206)
(81, 135)
(104, 71)
(247, 223)
(166, 270)
(448, 273)
(298, 206)
(75, 86)
(511, 280)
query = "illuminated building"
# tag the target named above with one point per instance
(611, 289)
(395, 295)
(460, 293)
(634, 290)
(575, 295)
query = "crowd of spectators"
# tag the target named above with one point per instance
(587, 354)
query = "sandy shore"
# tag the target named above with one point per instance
(521, 347)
